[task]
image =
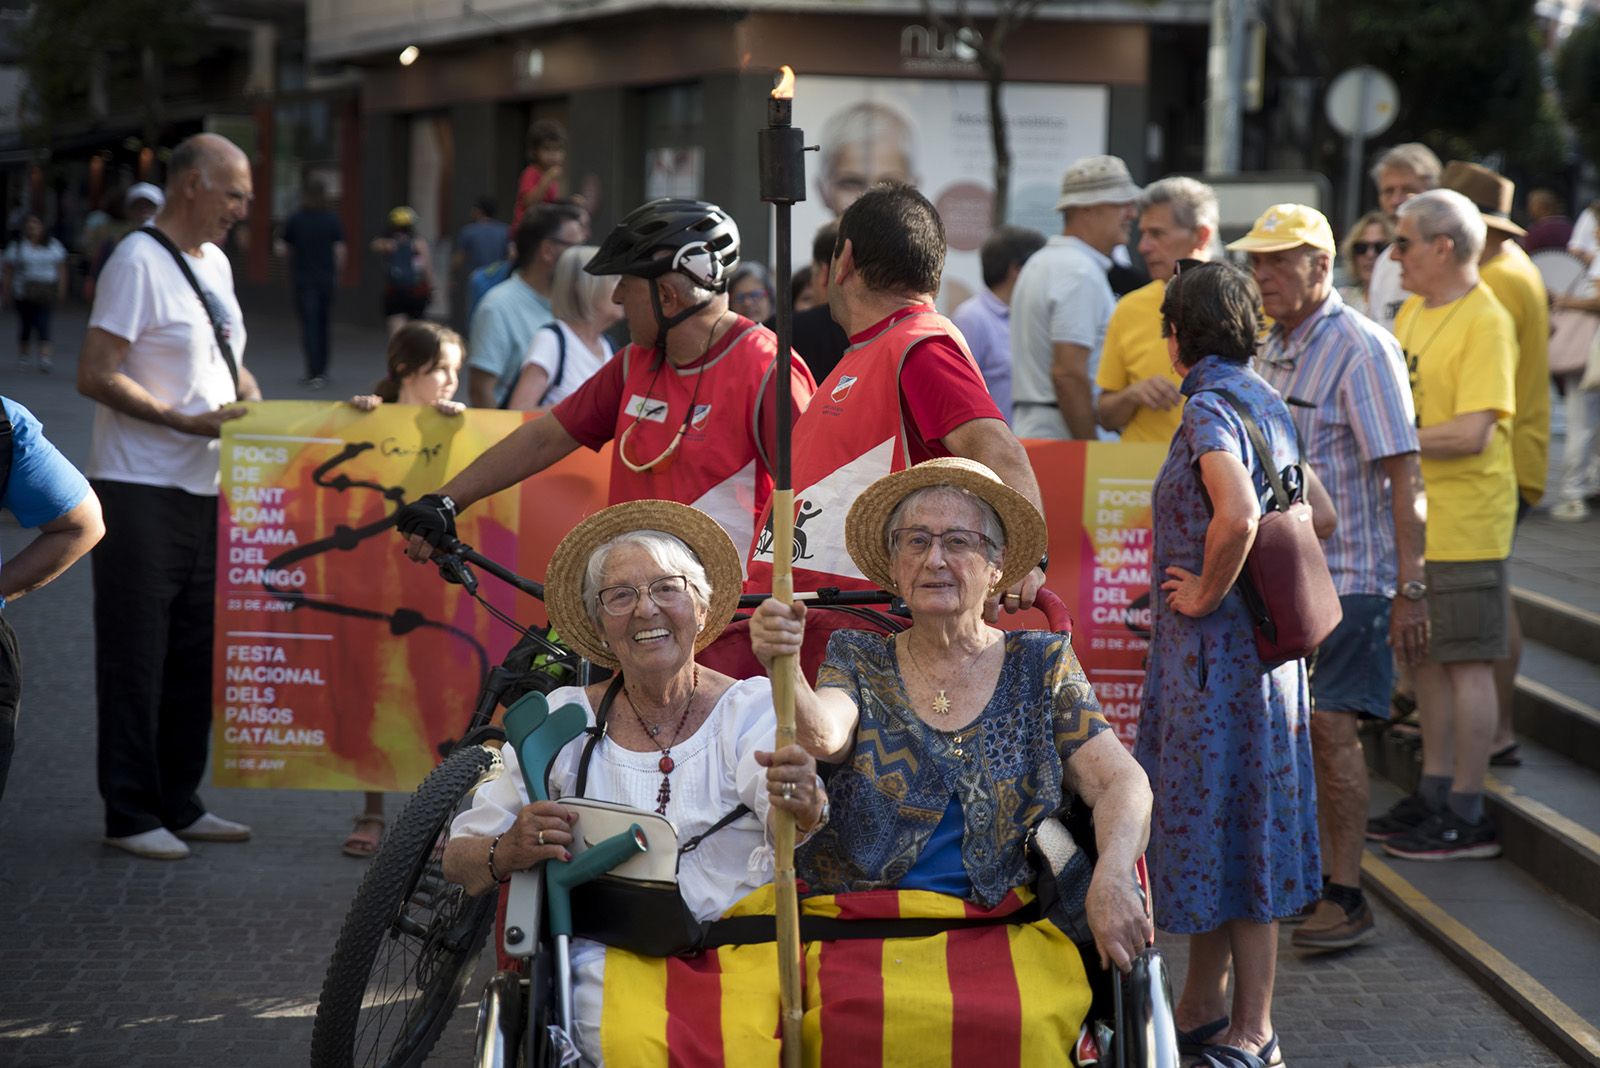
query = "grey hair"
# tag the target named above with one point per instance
(666, 551)
(1444, 212)
(1194, 204)
(575, 294)
(989, 519)
(1413, 156)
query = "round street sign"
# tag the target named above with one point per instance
(1362, 102)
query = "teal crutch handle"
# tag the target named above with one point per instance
(538, 739)
(560, 876)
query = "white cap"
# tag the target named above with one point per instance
(145, 191)
(1097, 180)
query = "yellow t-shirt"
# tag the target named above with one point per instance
(1517, 284)
(1462, 358)
(1134, 350)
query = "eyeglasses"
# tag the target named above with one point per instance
(671, 591)
(1403, 245)
(755, 296)
(1370, 248)
(917, 542)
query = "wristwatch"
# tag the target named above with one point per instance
(1413, 590)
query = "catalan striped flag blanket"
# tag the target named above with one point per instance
(1011, 994)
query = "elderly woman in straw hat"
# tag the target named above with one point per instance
(952, 739)
(642, 587)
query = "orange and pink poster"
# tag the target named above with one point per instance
(340, 664)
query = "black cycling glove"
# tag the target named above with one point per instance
(432, 516)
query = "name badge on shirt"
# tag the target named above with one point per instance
(647, 409)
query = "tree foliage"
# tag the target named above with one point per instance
(1578, 78)
(67, 45)
(1468, 74)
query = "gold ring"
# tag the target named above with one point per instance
(541, 838)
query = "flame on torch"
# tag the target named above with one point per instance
(784, 90)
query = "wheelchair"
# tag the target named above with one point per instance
(411, 939)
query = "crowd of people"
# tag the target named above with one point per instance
(1409, 407)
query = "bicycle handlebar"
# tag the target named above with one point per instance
(453, 556)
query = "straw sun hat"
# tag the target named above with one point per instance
(867, 540)
(708, 541)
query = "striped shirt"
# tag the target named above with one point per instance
(1345, 383)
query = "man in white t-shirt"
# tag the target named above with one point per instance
(1400, 174)
(1063, 301)
(163, 387)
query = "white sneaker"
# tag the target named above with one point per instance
(159, 844)
(213, 828)
(1574, 511)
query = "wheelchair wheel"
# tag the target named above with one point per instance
(411, 937)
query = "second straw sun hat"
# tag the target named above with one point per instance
(867, 539)
(564, 579)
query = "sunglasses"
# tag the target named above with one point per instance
(1369, 248)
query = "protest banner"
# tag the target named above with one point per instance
(342, 665)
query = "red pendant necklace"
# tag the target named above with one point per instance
(666, 764)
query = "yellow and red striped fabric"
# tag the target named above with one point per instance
(1000, 996)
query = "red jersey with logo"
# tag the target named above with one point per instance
(701, 433)
(902, 386)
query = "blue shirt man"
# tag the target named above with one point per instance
(40, 489)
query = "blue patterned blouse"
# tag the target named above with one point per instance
(1004, 768)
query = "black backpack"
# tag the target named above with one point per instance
(403, 264)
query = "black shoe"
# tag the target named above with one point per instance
(315, 381)
(1446, 836)
(1408, 813)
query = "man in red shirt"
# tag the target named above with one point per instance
(906, 390)
(690, 403)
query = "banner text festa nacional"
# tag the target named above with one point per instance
(340, 664)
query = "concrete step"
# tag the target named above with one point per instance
(1558, 617)
(1548, 812)
(1527, 948)
(1557, 703)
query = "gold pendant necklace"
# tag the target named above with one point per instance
(941, 698)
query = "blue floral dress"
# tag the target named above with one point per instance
(1227, 744)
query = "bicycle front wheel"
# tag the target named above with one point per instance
(411, 937)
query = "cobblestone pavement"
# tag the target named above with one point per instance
(106, 960)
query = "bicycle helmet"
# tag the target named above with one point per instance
(702, 238)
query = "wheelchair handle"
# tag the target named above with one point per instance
(561, 876)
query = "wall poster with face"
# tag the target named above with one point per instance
(935, 135)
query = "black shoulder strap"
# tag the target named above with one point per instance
(5, 452)
(596, 732)
(1258, 440)
(561, 358)
(694, 843)
(217, 328)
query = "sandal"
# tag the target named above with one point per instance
(1509, 757)
(364, 839)
(1193, 1042)
(1234, 1057)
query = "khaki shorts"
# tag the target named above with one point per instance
(1469, 610)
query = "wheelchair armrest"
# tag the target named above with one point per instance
(524, 913)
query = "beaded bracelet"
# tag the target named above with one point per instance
(492, 847)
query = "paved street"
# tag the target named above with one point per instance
(108, 960)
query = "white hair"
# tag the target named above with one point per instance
(1444, 212)
(867, 122)
(666, 551)
(1194, 204)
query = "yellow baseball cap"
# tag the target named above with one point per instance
(1286, 226)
